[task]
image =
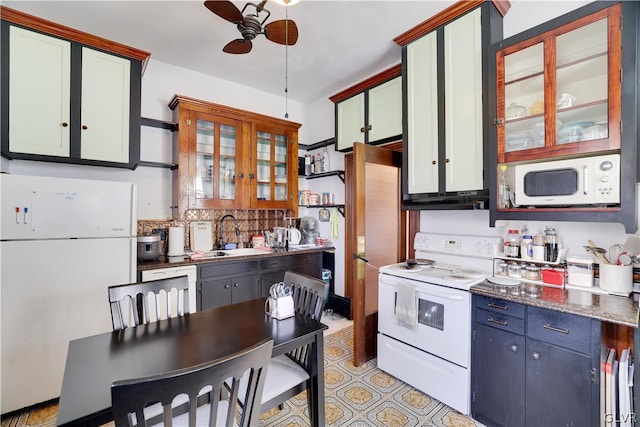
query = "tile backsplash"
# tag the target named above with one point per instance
(249, 222)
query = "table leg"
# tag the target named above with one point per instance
(316, 391)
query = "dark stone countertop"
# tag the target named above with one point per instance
(164, 261)
(607, 308)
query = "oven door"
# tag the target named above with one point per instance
(444, 317)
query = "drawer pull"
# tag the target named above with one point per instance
(554, 329)
(514, 348)
(501, 307)
(535, 356)
(499, 322)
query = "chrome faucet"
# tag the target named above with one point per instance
(221, 243)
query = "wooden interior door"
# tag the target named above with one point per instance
(375, 231)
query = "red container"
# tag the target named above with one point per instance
(553, 277)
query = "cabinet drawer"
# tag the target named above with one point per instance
(280, 262)
(500, 320)
(499, 306)
(225, 268)
(562, 329)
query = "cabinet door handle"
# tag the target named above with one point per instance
(85, 127)
(446, 160)
(251, 176)
(433, 162)
(498, 322)
(363, 129)
(236, 285)
(513, 348)
(241, 175)
(65, 124)
(554, 329)
(535, 356)
(501, 307)
(226, 286)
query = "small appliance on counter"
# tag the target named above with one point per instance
(149, 247)
(201, 237)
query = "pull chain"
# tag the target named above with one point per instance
(286, 63)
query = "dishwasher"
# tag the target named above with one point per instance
(167, 273)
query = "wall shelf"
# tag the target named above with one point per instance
(171, 166)
(325, 143)
(339, 207)
(338, 173)
(161, 124)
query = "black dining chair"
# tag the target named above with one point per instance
(140, 303)
(135, 399)
(289, 374)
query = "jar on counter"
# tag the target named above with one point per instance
(550, 244)
(512, 244)
(538, 247)
(514, 270)
(532, 272)
(501, 268)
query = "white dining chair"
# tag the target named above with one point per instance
(140, 303)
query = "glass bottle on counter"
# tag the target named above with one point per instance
(325, 160)
(550, 244)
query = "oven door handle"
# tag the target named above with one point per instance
(441, 295)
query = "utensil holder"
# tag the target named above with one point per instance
(616, 279)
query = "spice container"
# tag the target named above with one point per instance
(514, 270)
(532, 272)
(580, 271)
(501, 268)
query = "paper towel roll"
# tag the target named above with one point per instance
(176, 241)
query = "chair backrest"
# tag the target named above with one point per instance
(129, 398)
(130, 304)
(308, 293)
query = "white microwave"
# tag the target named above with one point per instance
(570, 182)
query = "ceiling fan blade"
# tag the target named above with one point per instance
(277, 32)
(225, 9)
(238, 46)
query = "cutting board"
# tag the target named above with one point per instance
(201, 238)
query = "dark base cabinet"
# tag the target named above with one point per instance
(533, 367)
(222, 283)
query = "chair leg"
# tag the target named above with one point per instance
(281, 406)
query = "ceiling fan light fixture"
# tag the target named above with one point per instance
(287, 2)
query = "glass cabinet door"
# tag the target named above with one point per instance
(272, 168)
(559, 93)
(215, 163)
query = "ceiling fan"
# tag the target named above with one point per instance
(283, 31)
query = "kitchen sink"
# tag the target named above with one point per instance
(244, 252)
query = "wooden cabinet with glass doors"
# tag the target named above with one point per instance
(232, 159)
(559, 93)
(568, 89)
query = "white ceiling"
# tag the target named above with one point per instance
(340, 42)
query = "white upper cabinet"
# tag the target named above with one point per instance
(68, 97)
(105, 106)
(385, 110)
(371, 111)
(351, 122)
(444, 138)
(422, 117)
(463, 103)
(39, 113)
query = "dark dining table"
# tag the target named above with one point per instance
(95, 362)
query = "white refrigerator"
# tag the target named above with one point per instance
(62, 243)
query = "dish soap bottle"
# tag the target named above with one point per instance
(325, 160)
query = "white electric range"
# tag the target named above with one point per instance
(432, 349)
